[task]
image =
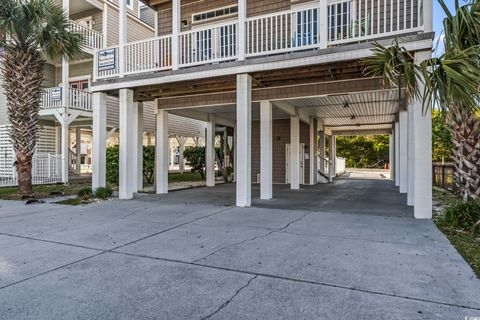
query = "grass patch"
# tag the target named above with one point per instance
(187, 176)
(464, 240)
(43, 191)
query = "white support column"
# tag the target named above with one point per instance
(128, 139)
(244, 140)
(139, 144)
(99, 140)
(397, 154)
(322, 150)
(181, 161)
(323, 24)
(235, 153)
(334, 153)
(422, 166)
(313, 152)
(210, 151)
(122, 36)
(294, 152)
(65, 149)
(176, 27)
(411, 154)
(331, 156)
(161, 152)
(266, 157)
(242, 34)
(427, 16)
(78, 149)
(403, 161)
(391, 155)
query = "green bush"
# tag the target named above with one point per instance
(112, 164)
(195, 157)
(149, 164)
(103, 193)
(85, 192)
(462, 215)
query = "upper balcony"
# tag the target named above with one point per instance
(93, 39)
(323, 25)
(52, 98)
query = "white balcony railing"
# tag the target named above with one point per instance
(78, 99)
(93, 39)
(340, 22)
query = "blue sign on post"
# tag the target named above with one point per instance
(107, 60)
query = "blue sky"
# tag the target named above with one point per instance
(438, 16)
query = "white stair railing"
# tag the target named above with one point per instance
(325, 164)
(93, 39)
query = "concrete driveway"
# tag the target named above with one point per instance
(157, 257)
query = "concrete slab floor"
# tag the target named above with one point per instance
(173, 257)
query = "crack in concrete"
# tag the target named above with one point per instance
(226, 303)
(272, 231)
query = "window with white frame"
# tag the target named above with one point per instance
(214, 14)
(129, 4)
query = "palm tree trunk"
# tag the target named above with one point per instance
(22, 70)
(465, 128)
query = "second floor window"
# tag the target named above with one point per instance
(205, 16)
(129, 4)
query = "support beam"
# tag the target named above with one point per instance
(210, 151)
(323, 24)
(122, 36)
(411, 154)
(331, 156)
(244, 141)
(78, 150)
(128, 138)
(403, 161)
(139, 144)
(161, 152)
(99, 140)
(397, 154)
(266, 158)
(181, 161)
(176, 27)
(65, 149)
(422, 153)
(242, 34)
(294, 152)
(321, 150)
(391, 155)
(313, 152)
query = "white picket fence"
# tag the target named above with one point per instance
(45, 170)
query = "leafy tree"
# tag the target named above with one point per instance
(451, 82)
(195, 157)
(363, 151)
(33, 31)
(442, 145)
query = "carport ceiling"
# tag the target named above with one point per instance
(375, 109)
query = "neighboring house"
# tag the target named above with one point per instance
(64, 146)
(282, 74)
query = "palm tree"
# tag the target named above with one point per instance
(33, 31)
(451, 82)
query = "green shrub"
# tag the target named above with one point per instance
(112, 164)
(149, 164)
(462, 215)
(195, 157)
(103, 193)
(85, 192)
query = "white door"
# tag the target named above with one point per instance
(302, 163)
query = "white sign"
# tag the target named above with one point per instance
(107, 60)
(56, 94)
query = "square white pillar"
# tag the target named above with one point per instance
(78, 150)
(138, 147)
(128, 142)
(391, 155)
(210, 151)
(397, 154)
(181, 161)
(411, 154)
(176, 27)
(331, 156)
(65, 151)
(321, 150)
(242, 34)
(266, 158)
(244, 141)
(122, 36)
(313, 152)
(161, 152)
(294, 152)
(99, 140)
(403, 161)
(422, 164)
